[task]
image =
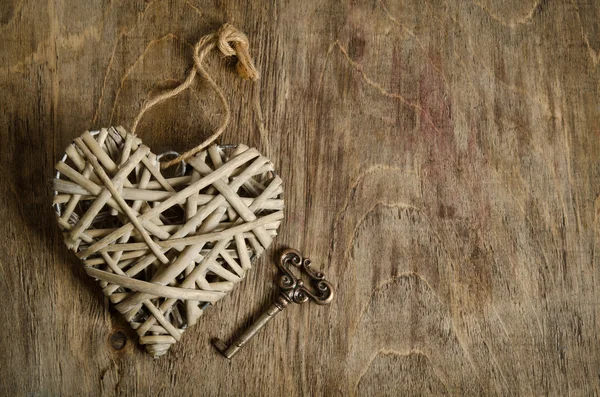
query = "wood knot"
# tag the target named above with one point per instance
(118, 340)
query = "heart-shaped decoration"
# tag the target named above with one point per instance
(164, 247)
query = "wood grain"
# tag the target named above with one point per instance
(440, 162)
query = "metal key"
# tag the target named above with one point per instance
(292, 289)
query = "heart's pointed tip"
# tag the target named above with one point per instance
(71, 245)
(157, 350)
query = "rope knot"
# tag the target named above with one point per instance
(232, 42)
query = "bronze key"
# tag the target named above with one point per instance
(292, 289)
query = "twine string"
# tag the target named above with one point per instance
(230, 42)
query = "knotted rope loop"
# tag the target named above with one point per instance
(230, 42)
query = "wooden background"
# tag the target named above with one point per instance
(441, 161)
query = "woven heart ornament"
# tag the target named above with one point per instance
(164, 248)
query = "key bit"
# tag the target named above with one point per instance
(292, 289)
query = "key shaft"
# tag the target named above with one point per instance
(274, 309)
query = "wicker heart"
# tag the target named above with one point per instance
(164, 248)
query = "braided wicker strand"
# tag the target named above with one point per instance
(163, 248)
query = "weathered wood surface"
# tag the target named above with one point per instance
(441, 164)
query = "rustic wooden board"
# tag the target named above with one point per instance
(441, 161)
